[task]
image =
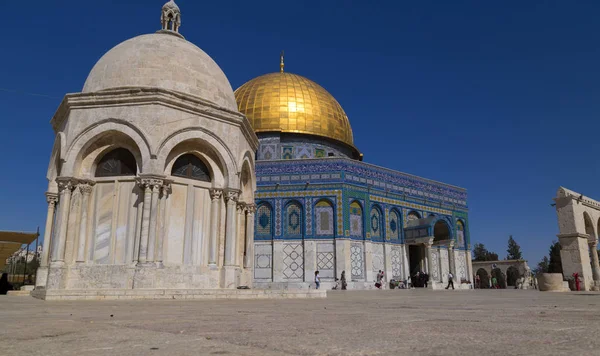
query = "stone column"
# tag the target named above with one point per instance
(249, 257)
(241, 234)
(215, 197)
(51, 198)
(595, 264)
(451, 261)
(165, 190)
(429, 257)
(405, 262)
(469, 264)
(65, 188)
(86, 189)
(150, 187)
(230, 227)
(151, 257)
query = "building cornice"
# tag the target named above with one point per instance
(158, 96)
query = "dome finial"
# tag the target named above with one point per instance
(171, 17)
(281, 65)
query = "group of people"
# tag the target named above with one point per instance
(418, 280)
(5, 286)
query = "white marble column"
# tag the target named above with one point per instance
(65, 188)
(249, 257)
(151, 257)
(86, 189)
(165, 191)
(595, 264)
(51, 198)
(469, 264)
(241, 233)
(145, 224)
(429, 258)
(405, 262)
(451, 261)
(230, 227)
(215, 204)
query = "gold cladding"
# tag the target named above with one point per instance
(288, 102)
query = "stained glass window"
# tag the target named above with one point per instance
(118, 162)
(192, 167)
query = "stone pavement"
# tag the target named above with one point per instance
(373, 322)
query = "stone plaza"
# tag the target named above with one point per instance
(368, 322)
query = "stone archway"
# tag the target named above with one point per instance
(484, 278)
(512, 275)
(500, 277)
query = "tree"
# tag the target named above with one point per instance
(481, 253)
(514, 250)
(555, 262)
(542, 266)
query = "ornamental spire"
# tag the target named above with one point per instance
(171, 17)
(281, 65)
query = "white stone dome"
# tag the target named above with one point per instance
(162, 60)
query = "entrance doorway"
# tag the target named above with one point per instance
(415, 259)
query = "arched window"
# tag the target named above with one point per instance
(191, 167)
(356, 220)
(118, 162)
(293, 219)
(394, 226)
(441, 231)
(324, 218)
(376, 224)
(264, 220)
(413, 215)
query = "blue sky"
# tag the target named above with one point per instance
(498, 97)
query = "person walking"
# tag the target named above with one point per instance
(450, 280)
(425, 279)
(317, 280)
(379, 277)
(343, 280)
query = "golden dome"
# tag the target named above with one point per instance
(286, 102)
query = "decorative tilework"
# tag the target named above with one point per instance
(394, 225)
(326, 259)
(267, 152)
(356, 220)
(303, 152)
(278, 217)
(340, 209)
(263, 261)
(357, 260)
(293, 261)
(396, 263)
(287, 152)
(309, 216)
(324, 218)
(293, 220)
(461, 265)
(319, 153)
(444, 262)
(264, 223)
(435, 265)
(376, 223)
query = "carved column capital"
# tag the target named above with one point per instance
(65, 183)
(51, 198)
(241, 208)
(251, 208)
(216, 194)
(451, 244)
(151, 182)
(232, 195)
(85, 186)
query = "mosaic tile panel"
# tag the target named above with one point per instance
(264, 220)
(396, 263)
(376, 224)
(267, 152)
(444, 262)
(461, 265)
(357, 261)
(309, 215)
(319, 153)
(356, 220)
(303, 152)
(435, 265)
(460, 234)
(293, 261)
(293, 220)
(287, 152)
(278, 217)
(263, 261)
(324, 218)
(394, 226)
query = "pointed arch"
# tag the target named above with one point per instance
(264, 221)
(589, 226)
(376, 222)
(442, 230)
(413, 215)
(293, 222)
(356, 219)
(324, 218)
